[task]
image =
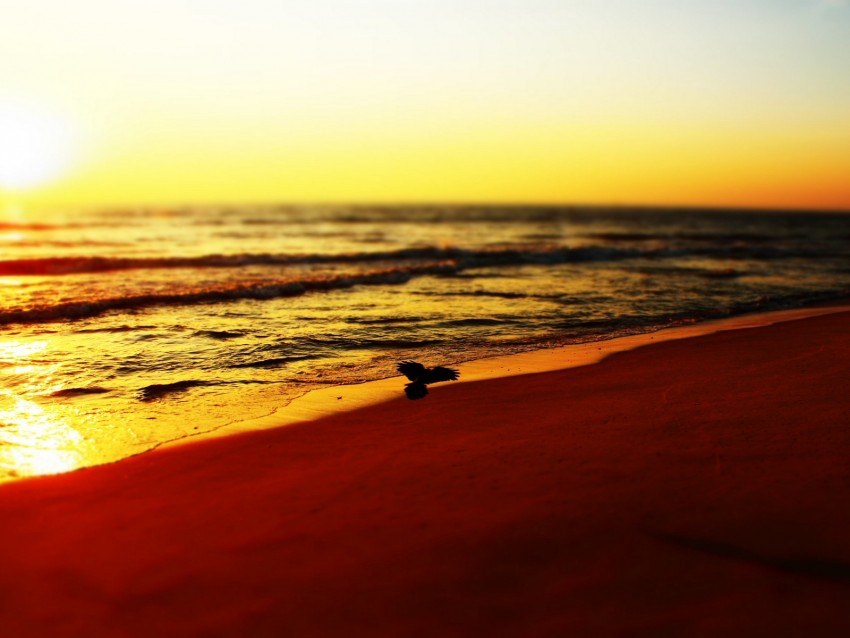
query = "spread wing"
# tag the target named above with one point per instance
(415, 390)
(411, 369)
(440, 373)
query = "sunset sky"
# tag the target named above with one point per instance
(728, 102)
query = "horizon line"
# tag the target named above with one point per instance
(11, 204)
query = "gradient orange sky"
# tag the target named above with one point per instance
(743, 102)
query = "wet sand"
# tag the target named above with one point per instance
(691, 487)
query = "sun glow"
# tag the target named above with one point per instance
(35, 145)
(610, 101)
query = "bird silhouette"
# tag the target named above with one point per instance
(420, 376)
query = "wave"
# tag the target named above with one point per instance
(482, 321)
(411, 263)
(381, 321)
(722, 273)
(679, 271)
(277, 362)
(13, 226)
(371, 344)
(486, 293)
(462, 258)
(274, 290)
(219, 335)
(76, 392)
(157, 391)
(708, 237)
(113, 329)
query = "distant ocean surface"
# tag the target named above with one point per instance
(123, 329)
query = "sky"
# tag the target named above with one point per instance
(672, 102)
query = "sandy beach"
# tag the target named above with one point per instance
(693, 487)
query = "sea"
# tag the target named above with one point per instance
(126, 328)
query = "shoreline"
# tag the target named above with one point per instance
(334, 400)
(339, 399)
(697, 487)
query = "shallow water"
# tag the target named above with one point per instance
(124, 329)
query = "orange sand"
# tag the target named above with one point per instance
(694, 487)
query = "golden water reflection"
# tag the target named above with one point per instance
(15, 351)
(34, 441)
(48, 428)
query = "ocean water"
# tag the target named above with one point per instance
(123, 329)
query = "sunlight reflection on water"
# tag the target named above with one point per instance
(34, 441)
(54, 418)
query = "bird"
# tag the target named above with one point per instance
(420, 376)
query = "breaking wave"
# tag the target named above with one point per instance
(464, 258)
(158, 391)
(399, 267)
(461, 258)
(274, 290)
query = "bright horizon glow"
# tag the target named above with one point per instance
(740, 103)
(35, 145)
